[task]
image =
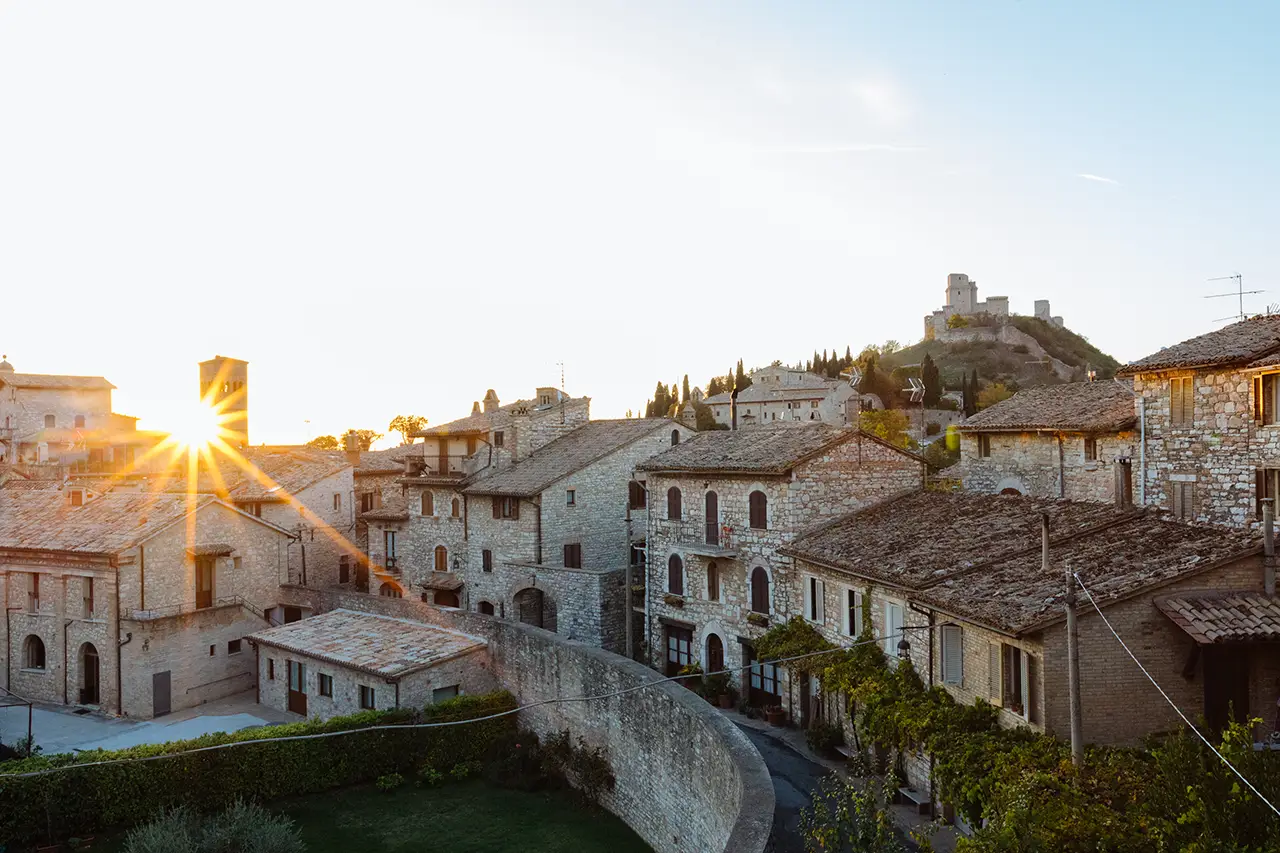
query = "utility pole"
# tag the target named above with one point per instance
(1073, 648)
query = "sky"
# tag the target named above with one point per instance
(387, 208)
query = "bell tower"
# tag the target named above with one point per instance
(224, 385)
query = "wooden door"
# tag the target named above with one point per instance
(297, 688)
(713, 518)
(1226, 686)
(443, 456)
(161, 703)
(89, 691)
(762, 682)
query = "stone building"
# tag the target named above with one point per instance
(960, 578)
(1070, 441)
(721, 505)
(224, 386)
(344, 661)
(545, 539)
(134, 603)
(1209, 431)
(779, 393)
(962, 301)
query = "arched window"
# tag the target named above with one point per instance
(675, 575)
(673, 504)
(445, 598)
(442, 558)
(428, 503)
(675, 437)
(455, 508)
(89, 694)
(33, 652)
(759, 510)
(715, 653)
(390, 590)
(486, 607)
(759, 590)
(713, 581)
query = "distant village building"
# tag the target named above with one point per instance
(1073, 441)
(779, 393)
(224, 385)
(721, 506)
(962, 301)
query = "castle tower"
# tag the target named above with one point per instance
(962, 293)
(224, 384)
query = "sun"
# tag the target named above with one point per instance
(198, 426)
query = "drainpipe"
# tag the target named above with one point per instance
(1268, 547)
(8, 642)
(65, 624)
(733, 410)
(537, 523)
(120, 645)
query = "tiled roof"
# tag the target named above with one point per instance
(571, 452)
(759, 392)
(52, 382)
(394, 508)
(1077, 407)
(922, 537)
(1218, 616)
(978, 557)
(389, 461)
(497, 419)
(107, 525)
(24, 485)
(381, 645)
(772, 448)
(1236, 344)
(291, 467)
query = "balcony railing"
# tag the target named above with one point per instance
(439, 466)
(391, 566)
(169, 611)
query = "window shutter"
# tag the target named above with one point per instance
(857, 614)
(497, 507)
(1175, 401)
(1026, 684)
(1259, 490)
(995, 677)
(846, 613)
(819, 607)
(1257, 398)
(1031, 682)
(952, 655)
(515, 508)
(808, 598)
(1269, 399)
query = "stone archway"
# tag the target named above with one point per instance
(1010, 486)
(534, 607)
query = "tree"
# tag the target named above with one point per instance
(932, 381)
(889, 347)
(684, 389)
(888, 424)
(740, 379)
(715, 386)
(407, 425)
(325, 442)
(957, 321)
(366, 437)
(992, 394)
(844, 816)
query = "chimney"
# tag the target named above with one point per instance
(1124, 483)
(1268, 546)
(351, 444)
(490, 401)
(475, 407)
(733, 410)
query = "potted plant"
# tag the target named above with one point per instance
(758, 619)
(672, 599)
(716, 688)
(775, 715)
(693, 680)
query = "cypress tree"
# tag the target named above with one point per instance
(684, 390)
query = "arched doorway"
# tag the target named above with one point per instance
(89, 671)
(715, 653)
(486, 607)
(390, 590)
(533, 607)
(1010, 491)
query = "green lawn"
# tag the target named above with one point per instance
(461, 818)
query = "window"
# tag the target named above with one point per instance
(673, 504)
(814, 603)
(570, 497)
(486, 560)
(325, 683)
(679, 648)
(813, 404)
(271, 669)
(505, 507)
(1266, 391)
(389, 543)
(1010, 674)
(1091, 450)
(297, 673)
(758, 506)
(1182, 499)
(675, 575)
(486, 607)
(367, 502)
(33, 592)
(573, 555)
(254, 509)
(213, 650)
(233, 647)
(442, 558)
(366, 693)
(428, 503)
(337, 501)
(544, 400)
(637, 555)
(1182, 401)
(711, 512)
(390, 590)
(204, 581)
(33, 653)
(344, 569)
(455, 509)
(893, 618)
(497, 438)
(851, 618)
(636, 494)
(984, 446)
(50, 421)
(88, 598)
(952, 655)
(77, 497)
(79, 422)
(713, 581)
(675, 437)
(444, 694)
(759, 590)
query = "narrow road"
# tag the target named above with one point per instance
(794, 778)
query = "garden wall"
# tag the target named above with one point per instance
(687, 778)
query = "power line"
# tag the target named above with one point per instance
(495, 716)
(1178, 710)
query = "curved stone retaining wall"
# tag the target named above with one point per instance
(687, 778)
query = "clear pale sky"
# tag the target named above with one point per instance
(389, 207)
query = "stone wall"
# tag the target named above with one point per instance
(687, 778)
(1044, 464)
(328, 531)
(1010, 334)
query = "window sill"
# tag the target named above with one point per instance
(33, 671)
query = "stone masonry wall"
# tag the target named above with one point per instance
(687, 778)
(1030, 463)
(328, 531)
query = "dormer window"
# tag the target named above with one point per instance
(77, 497)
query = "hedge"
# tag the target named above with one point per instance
(90, 799)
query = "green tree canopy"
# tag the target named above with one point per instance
(325, 442)
(407, 425)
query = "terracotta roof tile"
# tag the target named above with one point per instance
(1220, 616)
(1236, 344)
(1076, 407)
(106, 525)
(50, 381)
(772, 448)
(497, 419)
(291, 467)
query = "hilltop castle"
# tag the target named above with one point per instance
(962, 299)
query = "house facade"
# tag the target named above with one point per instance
(779, 393)
(1073, 441)
(134, 603)
(721, 507)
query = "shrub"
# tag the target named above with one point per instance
(174, 831)
(582, 767)
(429, 777)
(389, 782)
(465, 770)
(933, 429)
(241, 828)
(823, 738)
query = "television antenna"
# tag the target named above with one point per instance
(1240, 294)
